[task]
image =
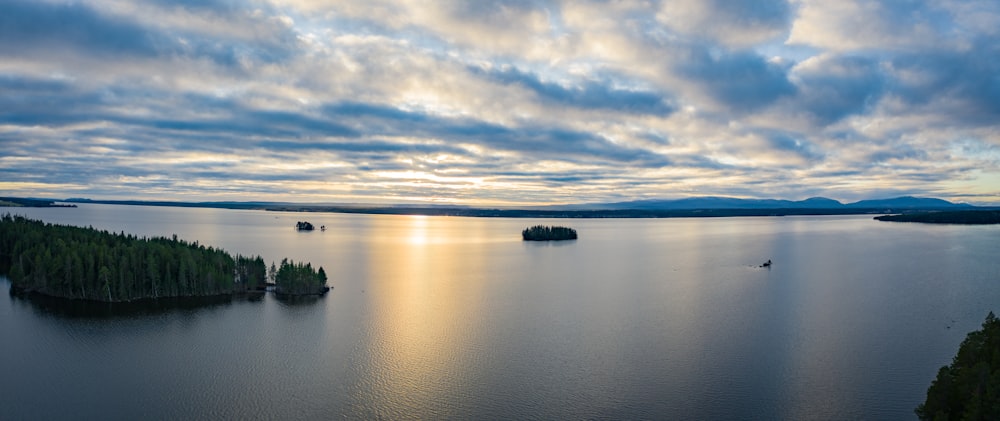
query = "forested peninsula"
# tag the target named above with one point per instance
(21, 202)
(966, 217)
(89, 264)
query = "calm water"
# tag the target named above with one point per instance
(439, 317)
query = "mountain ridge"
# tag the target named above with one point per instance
(723, 202)
(707, 206)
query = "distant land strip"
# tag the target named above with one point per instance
(693, 208)
(968, 217)
(18, 202)
(585, 213)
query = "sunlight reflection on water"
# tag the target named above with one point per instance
(438, 317)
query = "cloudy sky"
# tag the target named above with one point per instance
(499, 102)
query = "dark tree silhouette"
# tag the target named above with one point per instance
(85, 263)
(968, 388)
(299, 279)
(544, 233)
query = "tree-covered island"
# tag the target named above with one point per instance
(545, 233)
(293, 278)
(88, 264)
(968, 388)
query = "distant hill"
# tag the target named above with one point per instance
(707, 206)
(909, 202)
(716, 202)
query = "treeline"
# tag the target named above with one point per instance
(969, 388)
(85, 263)
(298, 278)
(971, 217)
(31, 203)
(569, 213)
(544, 233)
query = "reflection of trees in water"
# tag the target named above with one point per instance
(66, 308)
(297, 300)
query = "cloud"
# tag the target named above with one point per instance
(797, 146)
(729, 22)
(833, 87)
(866, 25)
(588, 94)
(961, 83)
(31, 29)
(499, 101)
(37, 27)
(739, 80)
(546, 142)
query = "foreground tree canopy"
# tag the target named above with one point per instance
(85, 263)
(544, 233)
(969, 388)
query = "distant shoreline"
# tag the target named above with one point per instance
(517, 213)
(577, 214)
(522, 213)
(968, 217)
(19, 202)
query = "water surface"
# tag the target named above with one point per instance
(442, 317)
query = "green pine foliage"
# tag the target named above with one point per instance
(969, 388)
(293, 278)
(85, 263)
(544, 233)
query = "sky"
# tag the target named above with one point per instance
(499, 102)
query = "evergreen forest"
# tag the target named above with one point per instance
(968, 388)
(89, 264)
(545, 233)
(293, 278)
(966, 217)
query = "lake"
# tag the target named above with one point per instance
(457, 318)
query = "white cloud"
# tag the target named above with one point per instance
(499, 101)
(733, 23)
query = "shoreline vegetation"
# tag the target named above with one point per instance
(88, 264)
(545, 233)
(20, 202)
(969, 387)
(967, 217)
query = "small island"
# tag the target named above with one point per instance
(88, 264)
(304, 226)
(968, 217)
(968, 388)
(545, 233)
(298, 279)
